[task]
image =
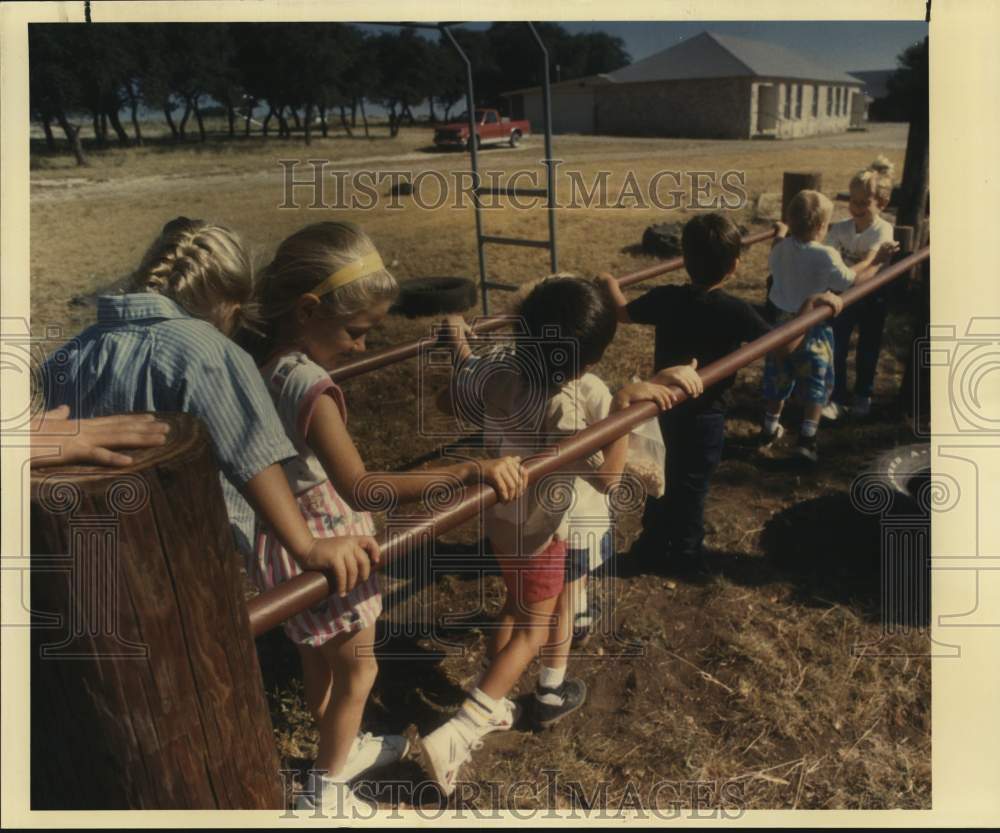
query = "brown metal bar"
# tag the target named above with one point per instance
(400, 352)
(516, 241)
(270, 609)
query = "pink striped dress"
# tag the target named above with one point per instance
(296, 383)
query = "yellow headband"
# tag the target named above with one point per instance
(367, 265)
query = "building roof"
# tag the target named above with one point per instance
(711, 55)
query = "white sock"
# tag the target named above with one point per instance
(551, 677)
(580, 601)
(473, 718)
(809, 427)
(771, 422)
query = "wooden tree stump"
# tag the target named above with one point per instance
(146, 692)
(792, 183)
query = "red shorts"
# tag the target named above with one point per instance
(537, 577)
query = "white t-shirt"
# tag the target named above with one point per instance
(296, 383)
(803, 269)
(520, 419)
(854, 246)
(589, 518)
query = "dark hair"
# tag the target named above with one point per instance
(711, 244)
(573, 313)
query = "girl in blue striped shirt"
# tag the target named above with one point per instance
(162, 346)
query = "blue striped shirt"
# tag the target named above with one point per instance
(145, 353)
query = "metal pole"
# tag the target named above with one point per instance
(549, 162)
(270, 609)
(470, 100)
(399, 352)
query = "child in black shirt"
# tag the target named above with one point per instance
(695, 323)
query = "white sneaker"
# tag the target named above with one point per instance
(443, 752)
(370, 751)
(832, 411)
(334, 800)
(504, 717)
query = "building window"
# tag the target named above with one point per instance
(829, 100)
(836, 101)
(815, 104)
(788, 100)
(798, 100)
(843, 101)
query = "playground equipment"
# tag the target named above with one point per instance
(146, 689)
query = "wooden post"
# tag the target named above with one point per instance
(792, 183)
(913, 196)
(145, 687)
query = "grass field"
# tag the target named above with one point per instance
(744, 677)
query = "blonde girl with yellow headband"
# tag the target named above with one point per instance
(324, 291)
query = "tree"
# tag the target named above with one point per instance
(54, 83)
(406, 77)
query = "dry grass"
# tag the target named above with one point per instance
(744, 679)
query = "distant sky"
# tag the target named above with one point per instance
(840, 45)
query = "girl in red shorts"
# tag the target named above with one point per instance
(527, 399)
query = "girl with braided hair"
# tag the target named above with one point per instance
(162, 346)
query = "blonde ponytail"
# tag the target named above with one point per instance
(876, 180)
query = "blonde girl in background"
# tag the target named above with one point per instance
(858, 240)
(321, 295)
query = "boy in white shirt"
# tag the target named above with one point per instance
(802, 268)
(858, 240)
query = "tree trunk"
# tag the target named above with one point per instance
(251, 105)
(104, 129)
(119, 130)
(433, 115)
(343, 120)
(149, 674)
(184, 120)
(307, 116)
(322, 120)
(231, 116)
(354, 111)
(73, 137)
(50, 140)
(267, 120)
(135, 122)
(168, 111)
(98, 138)
(295, 118)
(198, 118)
(364, 117)
(283, 129)
(406, 113)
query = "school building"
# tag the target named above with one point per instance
(708, 86)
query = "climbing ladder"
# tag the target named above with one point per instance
(482, 240)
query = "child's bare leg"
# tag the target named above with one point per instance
(555, 652)
(316, 679)
(811, 411)
(532, 623)
(774, 407)
(502, 630)
(352, 662)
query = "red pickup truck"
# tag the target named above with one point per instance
(489, 128)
